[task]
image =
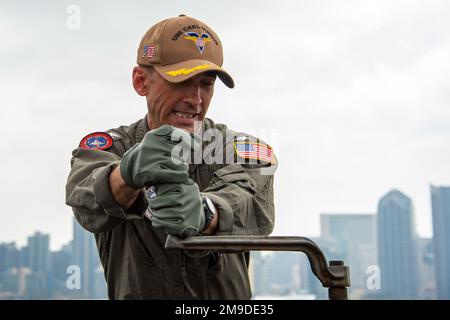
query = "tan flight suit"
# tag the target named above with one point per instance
(132, 252)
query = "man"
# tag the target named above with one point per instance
(131, 186)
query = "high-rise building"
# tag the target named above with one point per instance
(354, 235)
(9, 269)
(280, 274)
(99, 289)
(61, 260)
(440, 202)
(39, 252)
(427, 271)
(260, 272)
(305, 273)
(24, 259)
(276, 273)
(9, 256)
(86, 257)
(397, 247)
(38, 282)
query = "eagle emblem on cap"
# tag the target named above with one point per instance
(200, 41)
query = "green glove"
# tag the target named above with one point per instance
(177, 208)
(152, 161)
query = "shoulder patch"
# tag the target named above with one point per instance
(253, 150)
(97, 141)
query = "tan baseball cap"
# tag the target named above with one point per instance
(182, 47)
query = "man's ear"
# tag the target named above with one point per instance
(140, 80)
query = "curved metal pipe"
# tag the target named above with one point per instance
(335, 276)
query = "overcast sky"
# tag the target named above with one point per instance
(353, 95)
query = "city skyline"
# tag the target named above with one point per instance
(409, 266)
(393, 264)
(36, 272)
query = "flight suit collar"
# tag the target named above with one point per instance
(141, 129)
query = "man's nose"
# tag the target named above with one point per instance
(194, 96)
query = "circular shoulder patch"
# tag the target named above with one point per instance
(97, 141)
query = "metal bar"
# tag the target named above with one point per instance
(334, 276)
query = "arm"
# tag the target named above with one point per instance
(124, 195)
(104, 194)
(88, 192)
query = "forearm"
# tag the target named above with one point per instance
(124, 195)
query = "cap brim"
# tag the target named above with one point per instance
(182, 71)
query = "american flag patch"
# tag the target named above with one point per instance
(148, 51)
(253, 150)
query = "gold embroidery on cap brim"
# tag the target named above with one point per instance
(185, 71)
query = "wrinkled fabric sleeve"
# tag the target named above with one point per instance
(244, 198)
(88, 192)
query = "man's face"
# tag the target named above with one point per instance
(178, 104)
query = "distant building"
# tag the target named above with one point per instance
(440, 202)
(10, 281)
(427, 267)
(9, 256)
(260, 281)
(61, 260)
(38, 282)
(13, 283)
(39, 252)
(99, 290)
(397, 247)
(305, 273)
(276, 273)
(24, 259)
(33, 272)
(354, 239)
(85, 255)
(13, 273)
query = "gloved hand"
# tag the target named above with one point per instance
(151, 161)
(177, 208)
